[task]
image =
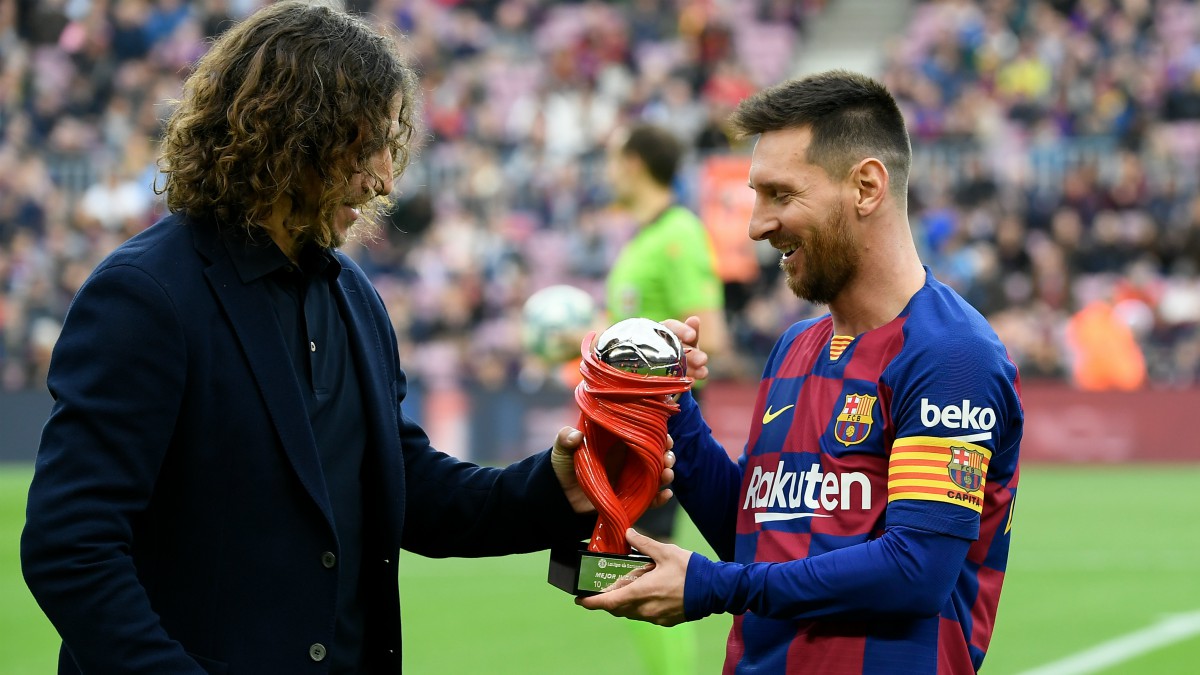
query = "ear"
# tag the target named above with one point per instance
(634, 164)
(870, 181)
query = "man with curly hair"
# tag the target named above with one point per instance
(227, 475)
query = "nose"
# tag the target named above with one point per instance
(381, 168)
(762, 221)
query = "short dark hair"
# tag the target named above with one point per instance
(851, 116)
(294, 87)
(659, 149)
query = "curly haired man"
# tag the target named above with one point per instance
(227, 475)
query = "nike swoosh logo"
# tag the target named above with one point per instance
(973, 438)
(768, 415)
(772, 517)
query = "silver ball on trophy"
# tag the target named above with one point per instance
(642, 347)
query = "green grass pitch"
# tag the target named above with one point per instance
(1098, 552)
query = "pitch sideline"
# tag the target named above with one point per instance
(1171, 629)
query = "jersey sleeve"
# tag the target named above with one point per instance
(956, 413)
(706, 481)
(906, 571)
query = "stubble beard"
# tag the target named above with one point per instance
(320, 231)
(323, 229)
(831, 261)
(365, 229)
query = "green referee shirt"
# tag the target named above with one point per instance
(666, 271)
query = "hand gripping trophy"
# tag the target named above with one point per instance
(624, 399)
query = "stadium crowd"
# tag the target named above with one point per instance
(1057, 163)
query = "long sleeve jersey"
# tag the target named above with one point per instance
(866, 526)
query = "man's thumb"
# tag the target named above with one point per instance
(568, 440)
(642, 543)
(562, 457)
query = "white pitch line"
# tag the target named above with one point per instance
(1171, 629)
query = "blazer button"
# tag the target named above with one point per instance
(316, 652)
(328, 559)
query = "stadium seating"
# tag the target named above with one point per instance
(1056, 147)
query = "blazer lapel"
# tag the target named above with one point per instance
(251, 317)
(379, 397)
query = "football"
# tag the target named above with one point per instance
(554, 321)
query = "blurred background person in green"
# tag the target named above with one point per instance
(665, 271)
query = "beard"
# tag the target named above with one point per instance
(314, 230)
(326, 226)
(830, 260)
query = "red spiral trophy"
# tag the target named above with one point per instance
(624, 399)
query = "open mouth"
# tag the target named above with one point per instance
(787, 251)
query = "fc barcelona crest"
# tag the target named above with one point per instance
(855, 421)
(966, 468)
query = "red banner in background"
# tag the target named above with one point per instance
(498, 427)
(1061, 423)
(725, 207)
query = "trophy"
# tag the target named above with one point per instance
(624, 399)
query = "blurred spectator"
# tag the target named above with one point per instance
(1053, 142)
(1065, 135)
(1104, 354)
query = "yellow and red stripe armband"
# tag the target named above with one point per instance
(938, 470)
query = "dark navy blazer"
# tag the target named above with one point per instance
(178, 520)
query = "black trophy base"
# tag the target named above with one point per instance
(581, 572)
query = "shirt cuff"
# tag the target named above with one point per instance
(688, 421)
(697, 588)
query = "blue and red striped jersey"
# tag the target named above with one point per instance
(873, 501)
